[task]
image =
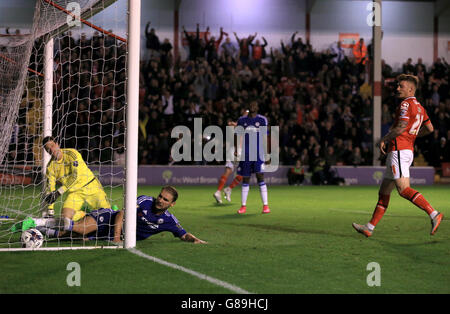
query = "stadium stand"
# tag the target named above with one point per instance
(321, 102)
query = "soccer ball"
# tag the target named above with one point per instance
(32, 238)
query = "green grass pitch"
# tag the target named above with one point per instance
(306, 245)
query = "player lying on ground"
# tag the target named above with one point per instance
(411, 121)
(106, 224)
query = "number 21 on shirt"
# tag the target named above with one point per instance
(416, 125)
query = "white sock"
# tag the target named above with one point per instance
(245, 189)
(49, 232)
(263, 191)
(68, 224)
(434, 214)
(52, 233)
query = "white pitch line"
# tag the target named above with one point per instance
(212, 280)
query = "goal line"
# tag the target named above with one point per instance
(72, 248)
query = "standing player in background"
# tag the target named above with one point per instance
(252, 164)
(68, 168)
(229, 168)
(411, 120)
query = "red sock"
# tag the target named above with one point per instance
(380, 209)
(222, 181)
(236, 181)
(417, 199)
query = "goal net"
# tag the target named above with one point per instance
(65, 76)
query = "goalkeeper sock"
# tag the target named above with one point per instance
(245, 189)
(49, 232)
(52, 233)
(68, 224)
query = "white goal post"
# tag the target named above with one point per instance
(134, 25)
(81, 86)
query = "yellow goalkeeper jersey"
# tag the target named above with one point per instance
(71, 172)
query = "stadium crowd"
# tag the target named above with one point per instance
(321, 101)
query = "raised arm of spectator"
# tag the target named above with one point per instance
(206, 34)
(283, 48)
(218, 41)
(250, 38)
(265, 42)
(146, 28)
(237, 38)
(445, 63)
(293, 37)
(186, 34)
(222, 32)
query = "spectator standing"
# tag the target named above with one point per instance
(258, 52)
(153, 43)
(244, 47)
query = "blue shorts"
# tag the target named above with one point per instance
(105, 218)
(246, 168)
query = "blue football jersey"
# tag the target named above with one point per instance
(253, 149)
(149, 224)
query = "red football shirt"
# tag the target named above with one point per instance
(411, 111)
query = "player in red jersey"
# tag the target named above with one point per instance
(411, 121)
(229, 168)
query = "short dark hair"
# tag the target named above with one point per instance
(409, 78)
(172, 191)
(48, 139)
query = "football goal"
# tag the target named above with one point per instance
(69, 93)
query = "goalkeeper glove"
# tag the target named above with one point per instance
(51, 197)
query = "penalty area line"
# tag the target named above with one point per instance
(212, 280)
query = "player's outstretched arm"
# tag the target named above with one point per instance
(188, 237)
(118, 225)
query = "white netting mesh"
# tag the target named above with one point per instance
(88, 107)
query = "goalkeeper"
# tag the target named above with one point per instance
(68, 168)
